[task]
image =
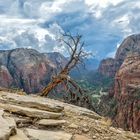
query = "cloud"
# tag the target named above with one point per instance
(26, 33)
(37, 23)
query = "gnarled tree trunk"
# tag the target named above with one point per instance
(76, 49)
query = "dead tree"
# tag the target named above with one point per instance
(75, 47)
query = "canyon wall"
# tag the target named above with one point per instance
(28, 69)
(125, 68)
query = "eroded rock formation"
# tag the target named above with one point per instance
(126, 70)
(127, 92)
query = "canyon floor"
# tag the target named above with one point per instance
(30, 117)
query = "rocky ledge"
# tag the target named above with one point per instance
(31, 117)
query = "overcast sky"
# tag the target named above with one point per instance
(37, 23)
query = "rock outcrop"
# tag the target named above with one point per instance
(28, 69)
(127, 93)
(127, 82)
(126, 70)
(74, 123)
(130, 45)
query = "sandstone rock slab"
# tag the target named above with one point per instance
(30, 112)
(48, 135)
(33, 102)
(50, 122)
(75, 109)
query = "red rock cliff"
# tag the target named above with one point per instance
(126, 70)
(127, 93)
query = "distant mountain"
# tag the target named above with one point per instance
(30, 70)
(27, 69)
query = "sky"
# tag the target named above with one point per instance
(37, 23)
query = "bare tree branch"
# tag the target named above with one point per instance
(75, 47)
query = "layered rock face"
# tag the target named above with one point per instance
(127, 84)
(126, 69)
(27, 69)
(127, 92)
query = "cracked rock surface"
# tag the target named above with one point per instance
(24, 117)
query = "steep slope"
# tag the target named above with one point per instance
(36, 118)
(127, 93)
